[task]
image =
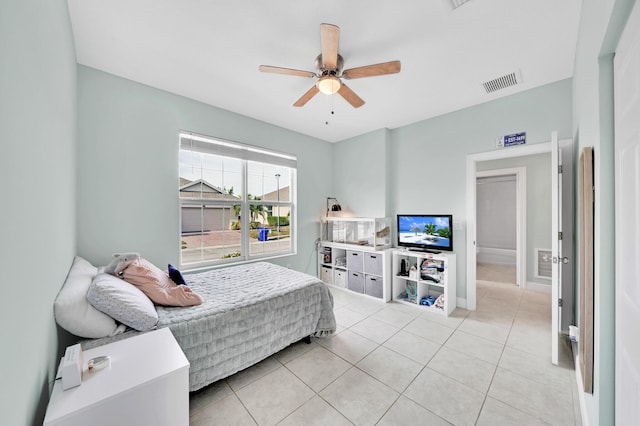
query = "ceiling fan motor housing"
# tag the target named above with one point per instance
(322, 70)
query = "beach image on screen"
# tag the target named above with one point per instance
(424, 230)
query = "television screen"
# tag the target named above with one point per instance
(425, 232)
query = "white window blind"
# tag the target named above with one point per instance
(208, 145)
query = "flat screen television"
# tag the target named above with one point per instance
(428, 232)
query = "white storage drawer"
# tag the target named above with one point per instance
(373, 286)
(354, 260)
(356, 282)
(340, 277)
(326, 275)
(373, 263)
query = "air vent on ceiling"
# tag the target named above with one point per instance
(457, 3)
(502, 82)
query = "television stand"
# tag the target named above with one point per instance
(432, 275)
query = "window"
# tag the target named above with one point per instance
(237, 202)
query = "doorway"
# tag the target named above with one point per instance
(559, 230)
(493, 160)
(501, 230)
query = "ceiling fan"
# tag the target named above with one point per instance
(329, 70)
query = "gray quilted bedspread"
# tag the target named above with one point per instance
(249, 313)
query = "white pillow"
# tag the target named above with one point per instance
(122, 301)
(72, 310)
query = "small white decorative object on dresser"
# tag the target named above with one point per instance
(353, 254)
(145, 383)
(435, 275)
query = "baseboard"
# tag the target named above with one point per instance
(542, 288)
(496, 256)
(461, 302)
(576, 362)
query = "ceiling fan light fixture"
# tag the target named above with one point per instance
(329, 84)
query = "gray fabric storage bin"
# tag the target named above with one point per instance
(373, 286)
(356, 282)
(373, 263)
(354, 260)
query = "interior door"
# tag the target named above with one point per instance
(556, 246)
(627, 221)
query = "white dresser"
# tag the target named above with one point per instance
(147, 383)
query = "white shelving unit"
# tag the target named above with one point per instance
(434, 275)
(353, 254)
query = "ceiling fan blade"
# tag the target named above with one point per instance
(329, 37)
(307, 96)
(391, 67)
(286, 71)
(350, 96)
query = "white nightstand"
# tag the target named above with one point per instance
(146, 384)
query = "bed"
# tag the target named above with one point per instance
(249, 312)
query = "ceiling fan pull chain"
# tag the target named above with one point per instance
(330, 100)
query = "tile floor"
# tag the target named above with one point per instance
(392, 364)
(498, 273)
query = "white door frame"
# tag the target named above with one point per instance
(521, 217)
(472, 160)
(556, 246)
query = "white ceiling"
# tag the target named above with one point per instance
(210, 50)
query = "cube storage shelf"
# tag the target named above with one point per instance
(434, 275)
(353, 254)
(361, 270)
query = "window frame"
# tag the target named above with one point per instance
(244, 153)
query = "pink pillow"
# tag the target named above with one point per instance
(157, 285)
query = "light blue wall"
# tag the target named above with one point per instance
(128, 168)
(426, 161)
(538, 203)
(37, 169)
(361, 177)
(601, 23)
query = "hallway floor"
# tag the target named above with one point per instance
(496, 273)
(392, 364)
